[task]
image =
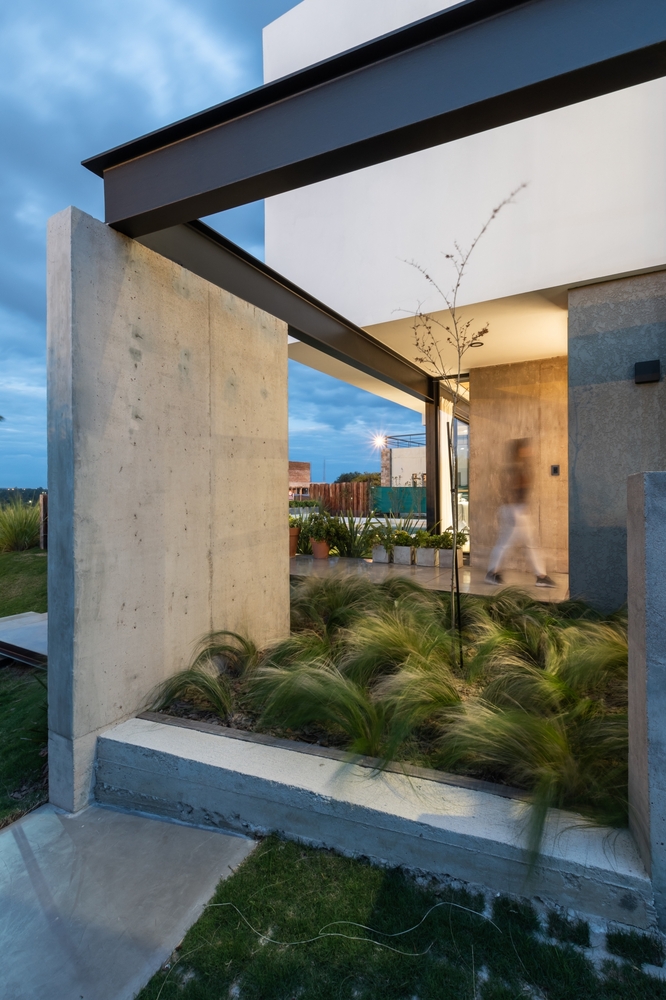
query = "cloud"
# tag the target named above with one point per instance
(170, 57)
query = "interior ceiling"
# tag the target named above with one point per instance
(520, 328)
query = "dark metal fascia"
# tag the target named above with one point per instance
(212, 256)
(513, 62)
(401, 40)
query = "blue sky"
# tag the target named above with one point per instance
(76, 78)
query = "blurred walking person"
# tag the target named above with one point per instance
(515, 523)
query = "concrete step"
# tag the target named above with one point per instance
(254, 787)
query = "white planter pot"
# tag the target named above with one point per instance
(402, 555)
(446, 558)
(427, 557)
(380, 555)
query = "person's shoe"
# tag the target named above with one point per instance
(494, 579)
(545, 581)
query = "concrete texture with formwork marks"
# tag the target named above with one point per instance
(257, 786)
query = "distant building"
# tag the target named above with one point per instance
(299, 479)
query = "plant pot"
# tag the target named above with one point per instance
(380, 555)
(427, 557)
(403, 555)
(293, 541)
(446, 558)
(319, 549)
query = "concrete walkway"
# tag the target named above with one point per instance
(91, 905)
(24, 637)
(471, 579)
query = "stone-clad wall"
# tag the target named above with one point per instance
(616, 428)
(524, 400)
(168, 478)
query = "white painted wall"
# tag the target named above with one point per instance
(595, 205)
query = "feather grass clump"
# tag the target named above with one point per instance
(19, 526)
(540, 703)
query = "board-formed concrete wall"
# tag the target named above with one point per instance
(616, 428)
(168, 459)
(525, 400)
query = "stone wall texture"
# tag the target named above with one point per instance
(168, 478)
(524, 400)
(616, 428)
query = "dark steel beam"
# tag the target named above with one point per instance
(433, 460)
(473, 67)
(205, 252)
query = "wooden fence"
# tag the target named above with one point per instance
(342, 498)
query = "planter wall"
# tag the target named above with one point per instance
(293, 541)
(403, 555)
(446, 558)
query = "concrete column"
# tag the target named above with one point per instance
(646, 555)
(167, 424)
(616, 428)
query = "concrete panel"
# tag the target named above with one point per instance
(526, 400)
(396, 819)
(646, 544)
(616, 428)
(91, 906)
(167, 477)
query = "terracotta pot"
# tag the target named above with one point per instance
(293, 541)
(319, 549)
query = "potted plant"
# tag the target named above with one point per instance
(403, 548)
(294, 531)
(427, 548)
(445, 546)
(321, 533)
(382, 543)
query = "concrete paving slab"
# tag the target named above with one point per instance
(24, 637)
(396, 819)
(92, 904)
(472, 579)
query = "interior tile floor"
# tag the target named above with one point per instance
(93, 904)
(471, 579)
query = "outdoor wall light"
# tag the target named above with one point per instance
(554, 470)
(647, 371)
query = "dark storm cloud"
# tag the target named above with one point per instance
(77, 78)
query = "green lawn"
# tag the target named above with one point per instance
(22, 694)
(289, 895)
(22, 582)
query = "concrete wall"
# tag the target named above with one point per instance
(616, 428)
(167, 398)
(517, 401)
(646, 543)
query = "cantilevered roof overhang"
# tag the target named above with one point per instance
(472, 67)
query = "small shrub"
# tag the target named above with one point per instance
(514, 915)
(569, 931)
(635, 947)
(19, 526)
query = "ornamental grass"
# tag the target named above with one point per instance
(539, 703)
(19, 526)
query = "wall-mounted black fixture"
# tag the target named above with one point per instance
(554, 470)
(647, 371)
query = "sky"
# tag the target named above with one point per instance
(77, 78)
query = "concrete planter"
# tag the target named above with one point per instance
(293, 541)
(403, 555)
(319, 549)
(380, 555)
(446, 558)
(427, 557)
